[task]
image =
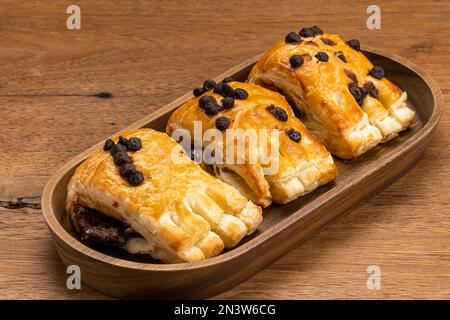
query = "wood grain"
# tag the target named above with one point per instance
(149, 53)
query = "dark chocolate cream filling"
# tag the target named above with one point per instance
(95, 228)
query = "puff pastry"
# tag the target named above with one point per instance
(182, 212)
(301, 166)
(328, 92)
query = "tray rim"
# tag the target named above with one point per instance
(58, 230)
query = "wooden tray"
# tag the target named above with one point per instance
(123, 275)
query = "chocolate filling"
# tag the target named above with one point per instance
(97, 229)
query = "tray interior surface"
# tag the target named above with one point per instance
(418, 93)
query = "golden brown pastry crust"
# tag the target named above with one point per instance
(183, 213)
(302, 166)
(320, 90)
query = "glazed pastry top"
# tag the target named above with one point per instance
(267, 110)
(184, 213)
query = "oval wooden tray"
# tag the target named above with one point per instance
(123, 275)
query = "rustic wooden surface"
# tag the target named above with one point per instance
(149, 52)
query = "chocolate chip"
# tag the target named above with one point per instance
(296, 61)
(218, 88)
(228, 102)
(121, 158)
(317, 30)
(328, 41)
(292, 37)
(364, 92)
(126, 169)
(294, 135)
(134, 144)
(321, 56)
(227, 79)
(358, 93)
(205, 100)
(209, 84)
(135, 178)
(212, 108)
(351, 76)
(198, 91)
(222, 123)
(123, 141)
(227, 90)
(240, 93)
(371, 89)
(354, 43)
(310, 32)
(277, 112)
(342, 57)
(108, 144)
(118, 148)
(377, 72)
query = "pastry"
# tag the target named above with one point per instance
(288, 161)
(348, 104)
(158, 201)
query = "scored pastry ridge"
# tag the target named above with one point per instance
(178, 209)
(347, 106)
(303, 165)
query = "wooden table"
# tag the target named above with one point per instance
(148, 53)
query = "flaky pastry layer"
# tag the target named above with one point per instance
(182, 212)
(300, 166)
(320, 90)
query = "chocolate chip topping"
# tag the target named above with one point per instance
(198, 91)
(354, 43)
(218, 88)
(108, 144)
(227, 79)
(123, 141)
(222, 123)
(203, 101)
(351, 76)
(121, 158)
(209, 85)
(292, 37)
(227, 90)
(135, 178)
(310, 32)
(342, 57)
(321, 56)
(125, 169)
(134, 144)
(228, 102)
(377, 72)
(294, 135)
(212, 108)
(371, 89)
(296, 61)
(118, 148)
(328, 41)
(277, 112)
(358, 93)
(240, 93)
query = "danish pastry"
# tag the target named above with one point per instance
(288, 161)
(347, 103)
(166, 204)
